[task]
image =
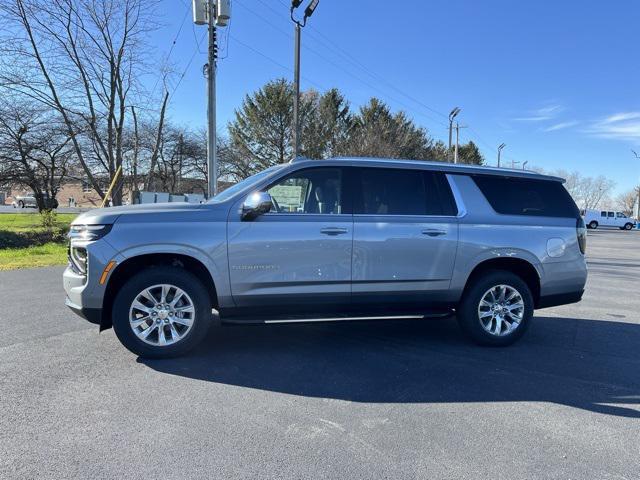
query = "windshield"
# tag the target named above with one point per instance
(244, 184)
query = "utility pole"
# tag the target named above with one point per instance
(212, 13)
(296, 69)
(296, 98)
(180, 162)
(638, 190)
(500, 147)
(454, 113)
(455, 155)
(212, 160)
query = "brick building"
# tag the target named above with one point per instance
(86, 197)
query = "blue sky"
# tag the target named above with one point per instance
(557, 81)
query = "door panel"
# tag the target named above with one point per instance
(406, 258)
(299, 254)
(290, 259)
(405, 236)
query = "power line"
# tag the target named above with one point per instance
(321, 87)
(342, 69)
(184, 72)
(173, 44)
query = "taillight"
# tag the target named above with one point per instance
(581, 233)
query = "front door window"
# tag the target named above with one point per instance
(312, 191)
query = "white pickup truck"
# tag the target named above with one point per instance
(607, 218)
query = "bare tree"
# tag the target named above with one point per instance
(587, 192)
(626, 202)
(81, 58)
(35, 152)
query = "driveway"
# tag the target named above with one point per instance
(402, 399)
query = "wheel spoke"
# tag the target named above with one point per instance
(184, 309)
(136, 323)
(503, 291)
(512, 295)
(164, 290)
(145, 333)
(183, 321)
(498, 327)
(139, 306)
(149, 296)
(175, 336)
(176, 298)
(162, 339)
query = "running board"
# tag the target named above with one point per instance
(248, 320)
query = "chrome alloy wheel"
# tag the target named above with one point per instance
(501, 310)
(161, 315)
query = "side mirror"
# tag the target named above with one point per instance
(255, 205)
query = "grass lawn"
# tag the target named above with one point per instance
(30, 222)
(37, 256)
(26, 243)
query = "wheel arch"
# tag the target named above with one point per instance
(135, 264)
(521, 267)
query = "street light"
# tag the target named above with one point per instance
(525, 164)
(296, 73)
(500, 147)
(454, 113)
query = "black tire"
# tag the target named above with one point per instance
(593, 224)
(178, 277)
(467, 312)
(20, 204)
(628, 226)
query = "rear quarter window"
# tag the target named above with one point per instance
(523, 196)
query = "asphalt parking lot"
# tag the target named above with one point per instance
(407, 399)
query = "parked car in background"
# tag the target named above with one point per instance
(332, 240)
(607, 218)
(24, 201)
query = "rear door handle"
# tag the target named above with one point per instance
(333, 231)
(433, 232)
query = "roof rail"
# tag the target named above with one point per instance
(298, 159)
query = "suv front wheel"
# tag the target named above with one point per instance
(161, 312)
(496, 308)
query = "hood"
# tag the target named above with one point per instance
(107, 216)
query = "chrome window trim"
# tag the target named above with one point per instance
(292, 214)
(402, 216)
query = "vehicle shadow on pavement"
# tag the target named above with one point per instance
(587, 364)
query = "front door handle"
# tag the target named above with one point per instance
(333, 231)
(433, 232)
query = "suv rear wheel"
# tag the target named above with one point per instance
(161, 312)
(496, 308)
(593, 224)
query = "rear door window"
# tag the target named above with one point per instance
(389, 191)
(530, 197)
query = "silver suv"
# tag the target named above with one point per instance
(332, 240)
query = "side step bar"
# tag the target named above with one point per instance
(248, 320)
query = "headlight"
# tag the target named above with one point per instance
(88, 232)
(78, 259)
